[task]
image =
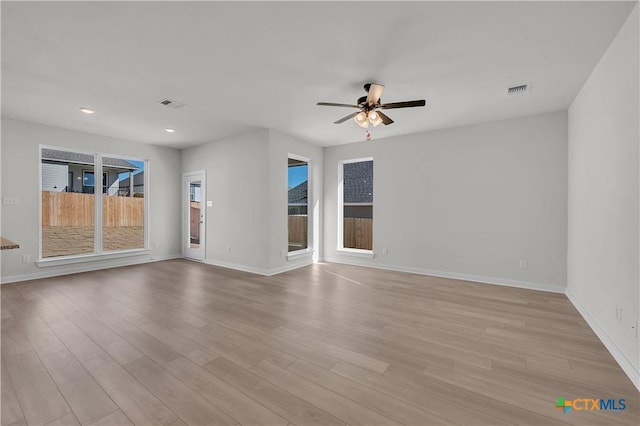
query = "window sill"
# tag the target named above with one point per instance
(299, 254)
(84, 258)
(367, 254)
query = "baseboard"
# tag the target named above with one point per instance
(453, 275)
(627, 366)
(87, 267)
(236, 266)
(116, 263)
(260, 271)
(290, 266)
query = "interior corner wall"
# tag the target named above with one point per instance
(247, 184)
(237, 185)
(280, 146)
(20, 172)
(603, 211)
(468, 202)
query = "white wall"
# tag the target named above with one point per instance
(467, 202)
(247, 182)
(603, 234)
(20, 173)
(237, 183)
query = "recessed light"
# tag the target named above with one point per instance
(87, 110)
(170, 130)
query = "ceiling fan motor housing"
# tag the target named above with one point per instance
(362, 102)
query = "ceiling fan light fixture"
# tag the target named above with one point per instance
(361, 119)
(374, 118)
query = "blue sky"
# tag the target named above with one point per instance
(138, 164)
(297, 175)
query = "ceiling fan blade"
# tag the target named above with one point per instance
(405, 104)
(386, 120)
(375, 91)
(343, 119)
(338, 105)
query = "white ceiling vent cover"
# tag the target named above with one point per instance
(171, 103)
(520, 89)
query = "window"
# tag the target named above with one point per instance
(298, 203)
(88, 181)
(356, 204)
(123, 204)
(76, 219)
(67, 216)
(195, 212)
(194, 192)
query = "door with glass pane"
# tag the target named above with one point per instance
(194, 215)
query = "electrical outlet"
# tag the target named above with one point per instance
(229, 250)
(283, 253)
(634, 329)
(524, 264)
(385, 250)
(26, 258)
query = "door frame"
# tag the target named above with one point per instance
(187, 178)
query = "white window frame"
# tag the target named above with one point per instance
(98, 252)
(296, 254)
(341, 248)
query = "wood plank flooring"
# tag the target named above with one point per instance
(179, 342)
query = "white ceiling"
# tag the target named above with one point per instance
(243, 66)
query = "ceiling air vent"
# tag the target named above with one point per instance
(172, 104)
(520, 89)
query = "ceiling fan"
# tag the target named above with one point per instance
(370, 107)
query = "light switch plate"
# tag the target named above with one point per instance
(11, 201)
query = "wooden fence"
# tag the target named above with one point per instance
(358, 233)
(298, 232)
(76, 210)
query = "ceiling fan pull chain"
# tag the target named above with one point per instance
(367, 134)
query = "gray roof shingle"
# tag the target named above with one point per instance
(358, 185)
(358, 182)
(298, 194)
(75, 157)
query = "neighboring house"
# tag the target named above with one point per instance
(298, 200)
(138, 185)
(358, 192)
(358, 189)
(64, 171)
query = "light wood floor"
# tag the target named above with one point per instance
(179, 342)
